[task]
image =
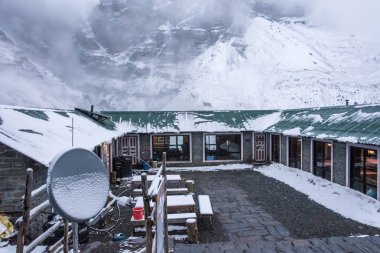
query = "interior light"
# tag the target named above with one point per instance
(371, 152)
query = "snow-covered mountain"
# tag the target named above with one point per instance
(181, 54)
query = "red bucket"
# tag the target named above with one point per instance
(138, 213)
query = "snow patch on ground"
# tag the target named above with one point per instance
(12, 249)
(340, 199)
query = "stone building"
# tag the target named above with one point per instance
(340, 144)
(30, 138)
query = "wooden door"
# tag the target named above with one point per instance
(129, 147)
(259, 148)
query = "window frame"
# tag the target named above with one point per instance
(222, 133)
(173, 134)
(288, 151)
(313, 140)
(348, 163)
(271, 147)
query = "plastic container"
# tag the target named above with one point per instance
(138, 213)
(118, 237)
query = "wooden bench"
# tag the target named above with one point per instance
(173, 218)
(205, 208)
(170, 191)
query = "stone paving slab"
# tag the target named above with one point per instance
(252, 229)
(330, 245)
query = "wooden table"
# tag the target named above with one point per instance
(175, 203)
(170, 179)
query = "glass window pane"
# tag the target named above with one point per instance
(223, 147)
(212, 139)
(364, 170)
(174, 151)
(275, 148)
(371, 167)
(294, 152)
(173, 140)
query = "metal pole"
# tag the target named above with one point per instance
(75, 237)
(26, 214)
(66, 237)
(148, 223)
(166, 240)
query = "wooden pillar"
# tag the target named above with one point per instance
(166, 236)
(26, 213)
(148, 220)
(190, 186)
(192, 230)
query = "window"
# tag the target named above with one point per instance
(322, 159)
(295, 152)
(275, 148)
(222, 147)
(177, 147)
(364, 171)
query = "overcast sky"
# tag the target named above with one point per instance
(359, 17)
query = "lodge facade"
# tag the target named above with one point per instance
(348, 164)
(339, 144)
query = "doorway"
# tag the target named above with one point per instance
(259, 148)
(129, 147)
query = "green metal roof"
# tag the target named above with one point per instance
(185, 121)
(357, 124)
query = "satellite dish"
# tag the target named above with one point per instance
(77, 184)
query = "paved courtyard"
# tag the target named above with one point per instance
(254, 213)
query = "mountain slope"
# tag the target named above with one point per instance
(284, 65)
(183, 54)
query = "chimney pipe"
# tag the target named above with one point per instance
(92, 108)
(347, 102)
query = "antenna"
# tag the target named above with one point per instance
(77, 186)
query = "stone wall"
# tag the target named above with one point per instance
(306, 154)
(247, 147)
(13, 167)
(339, 163)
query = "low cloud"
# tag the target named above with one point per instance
(357, 17)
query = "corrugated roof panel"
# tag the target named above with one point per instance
(349, 123)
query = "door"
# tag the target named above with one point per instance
(259, 148)
(129, 147)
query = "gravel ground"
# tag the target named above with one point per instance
(303, 217)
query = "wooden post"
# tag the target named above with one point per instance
(113, 177)
(26, 213)
(66, 237)
(190, 186)
(166, 236)
(148, 221)
(192, 230)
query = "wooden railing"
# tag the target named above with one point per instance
(158, 216)
(30, 214)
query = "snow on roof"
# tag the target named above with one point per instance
(355, 124)
(197, 121)
(42, 133)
